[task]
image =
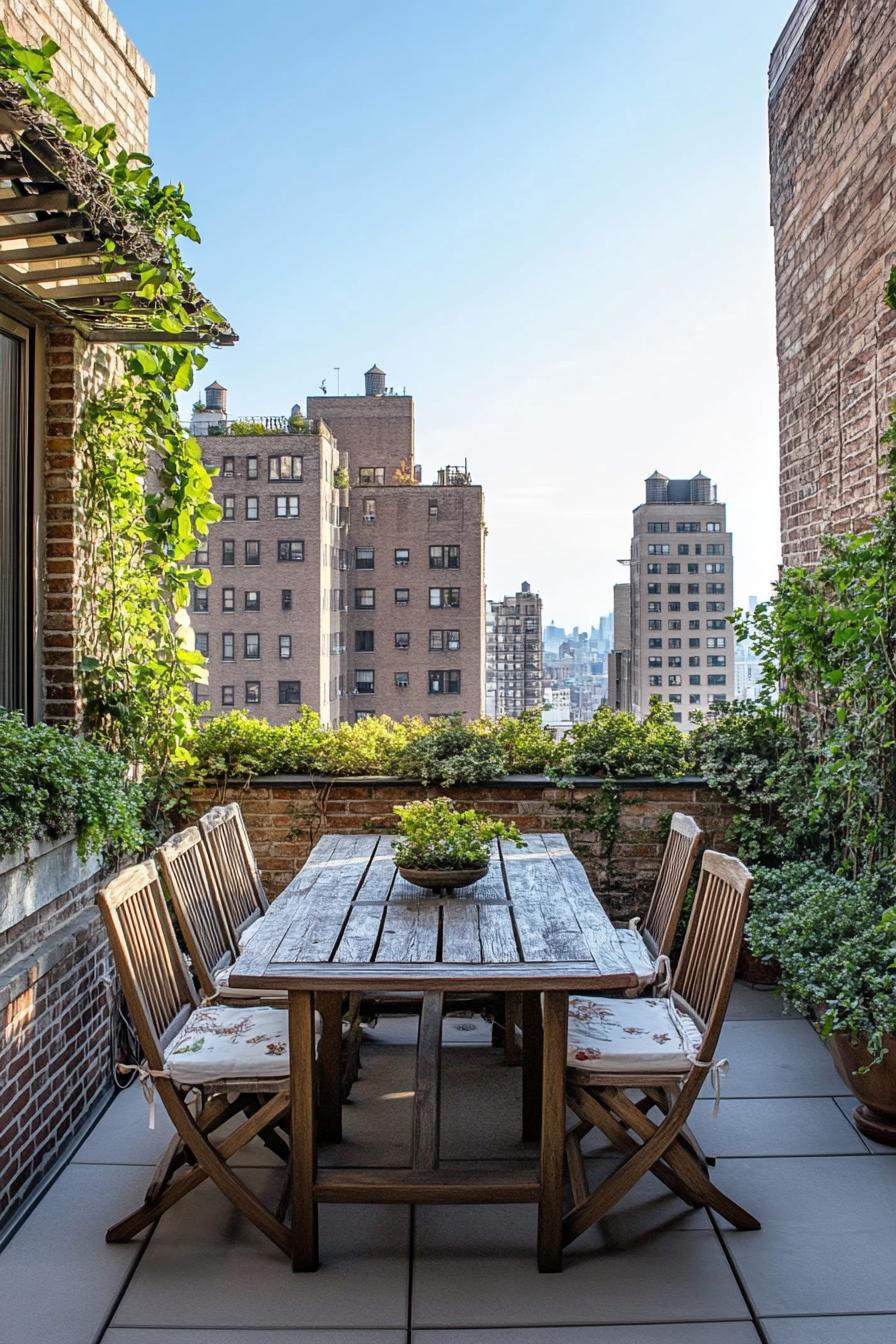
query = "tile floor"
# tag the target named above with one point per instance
(654, 1272)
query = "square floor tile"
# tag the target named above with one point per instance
(848, 1105)
(724, 1332)
(122, 1134)
(776, 1059)
(774, 1127)
(475, 1266)
(207, 1266)
(164, 1336)
(828, 1238)
(750, 1004)
(58, 1278)
(830, 1330)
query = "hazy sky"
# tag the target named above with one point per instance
(548, 221)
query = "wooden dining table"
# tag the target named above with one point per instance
(349, 924)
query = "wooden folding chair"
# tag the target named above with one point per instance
(243, 900)
(231, 1059)
(648, 943)
(612, 1052)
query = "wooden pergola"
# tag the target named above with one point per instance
(69, 250)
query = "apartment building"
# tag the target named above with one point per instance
(681, 582)
(619, 659)
(514, 669)
(363, 598)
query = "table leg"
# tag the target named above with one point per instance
(302, 1076)
(329, 1068)
(532, 1066)
(427, 1084)
(553, 1127)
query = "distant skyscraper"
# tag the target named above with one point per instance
(619, 660)
(514, 677)
(681, 592)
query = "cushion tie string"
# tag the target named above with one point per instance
(663, 982)
(634, 922)
(146, 1076)
(716, 1067)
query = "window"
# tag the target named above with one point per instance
(289, 692)
(676, 716)
(675, 625)
(658, 548)
(364, 681)
(694, 680)
(228, 553)
(693, 606)
(674, 588)
(286, 506)
(226, 695)
(694, 698)
(402, 597)
(290, 550)
(654, 587)
(654, 643)
(654, 625)
(674, 660)
(715, 641)
(228, 507)
(693, 643)
(369, 515)
(675, 606)
(444, 557)
(683, 548)
(252, 646)
(717, 588)
(371, 475)
(716, 660)
(402, 555)
(402, 680)
(673, 567)
(253, 692)
(693, 569)
(674, 678)
(694, 660)
(252, 468)
(715, 548)
(252, 599)
(226, 466)
(654, 661)
(698, 550)
(228, 599)
(716, 699)
(402, 639)
(286, 467)
(715, 567)
(716, 679)
(657, 527)
(253, 552)
(252, 508)
(693, 587)
(674, 643)
(444, 597)
(713, 527)
(285, 646)
(202, 643)
(364, 641)
(693, 625)
(654, 567)
(654, 680)
(200, 555)
(200, 599)
(687, 527)
(654, 606)
(444, 683)
(433, 508)
(714, 624)
(228, 648)
(675, 698)
(365, 598)
(363, 557)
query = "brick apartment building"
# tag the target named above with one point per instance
(514, 675)
(832, 130)
(360, 600)
(681, 590)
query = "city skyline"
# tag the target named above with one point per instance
(575, 290)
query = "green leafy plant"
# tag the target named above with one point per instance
(340, 478)
(835, 942)
(438, 835)
(246, 429)
(52, 783)
(527, 744)
(616, 745)
(454, 752)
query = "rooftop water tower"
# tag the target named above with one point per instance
(374, 382)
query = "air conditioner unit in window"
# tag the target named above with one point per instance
(369, 517)
(343, 564)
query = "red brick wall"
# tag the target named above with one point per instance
(832, 127)
(285, 819)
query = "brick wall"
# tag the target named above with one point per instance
(832, 126)
(286, 817)
(98, 68)
(55, 1035)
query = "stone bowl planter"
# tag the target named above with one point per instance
(442, 879)
(875, 1090)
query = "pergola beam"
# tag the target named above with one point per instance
(34, 228)
(37, 200)
(50, 252)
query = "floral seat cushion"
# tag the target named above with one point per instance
(630, 1036)
(648, 968)
(218, 1042)
(226, 991)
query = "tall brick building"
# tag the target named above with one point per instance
(514, 675)
(355, 600)
(832, 129)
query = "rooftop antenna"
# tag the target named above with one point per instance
(336, 370)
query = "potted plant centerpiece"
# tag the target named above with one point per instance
(443, 848)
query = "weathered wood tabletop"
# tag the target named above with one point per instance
(348, 923)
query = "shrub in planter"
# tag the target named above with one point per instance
(450, 752)
(616, 745)
(443, 846)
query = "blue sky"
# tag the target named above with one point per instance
(549, 222)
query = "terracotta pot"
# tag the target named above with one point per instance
(442, 879)
(755, 971)
(875, 1090)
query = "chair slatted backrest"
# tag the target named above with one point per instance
(154, 976)
(230, 852)
(191, 884)
(664, 911)
(705, 970)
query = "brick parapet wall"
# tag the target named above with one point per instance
(286, 816)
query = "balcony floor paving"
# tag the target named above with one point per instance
(654, 1272)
